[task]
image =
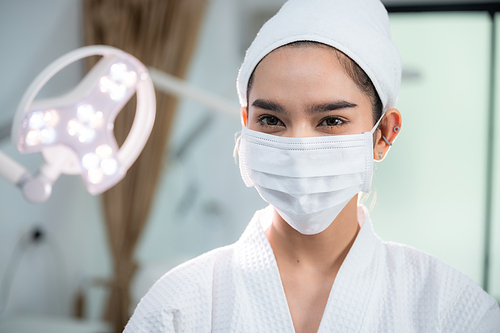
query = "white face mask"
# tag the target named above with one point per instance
(307, 180)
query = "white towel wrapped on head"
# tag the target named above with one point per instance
(358, 28)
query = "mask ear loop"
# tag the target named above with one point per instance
(236, 150)
(376, 125)
(373, 130)
(396, 129)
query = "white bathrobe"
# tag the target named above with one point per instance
(381, 287)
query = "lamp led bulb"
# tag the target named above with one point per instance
(95, 176)
(74, 127)
(96, 120)
(47, 135)
(51, 118)
(117, 92)
(105, 84)
(104, 151)
(120, 75)
(36, 120)
(118, 71)
(109, 166)
(33, 138)
(129, 79)
(86, 134)
(90, 161)
(85, 112)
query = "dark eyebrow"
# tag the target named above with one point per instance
(268, 105)
(318, 108)
(330, 107)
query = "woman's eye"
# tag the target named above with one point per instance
(332, 122)
(270, 121)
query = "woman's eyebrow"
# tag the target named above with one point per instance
(330, 107)
(268, 105)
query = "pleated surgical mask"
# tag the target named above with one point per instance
(308, 180)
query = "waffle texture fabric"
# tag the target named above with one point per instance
(358, 28)
(381, 287)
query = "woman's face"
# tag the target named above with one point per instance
(304, 92)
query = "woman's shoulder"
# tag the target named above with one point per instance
(194, 275)
(407, 262)
(185, 291)
(428, 284)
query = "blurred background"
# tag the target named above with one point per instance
(438, 189)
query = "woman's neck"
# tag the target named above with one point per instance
(321, 253)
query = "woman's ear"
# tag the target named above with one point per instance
(388, 130)
(244, 116)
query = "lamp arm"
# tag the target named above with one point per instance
(173, 85)
(35, 189)
(14, 172)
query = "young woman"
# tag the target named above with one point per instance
(318, 88)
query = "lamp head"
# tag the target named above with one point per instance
(74, 132)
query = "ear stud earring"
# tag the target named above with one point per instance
(380, 154)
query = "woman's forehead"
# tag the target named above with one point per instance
(302, 72)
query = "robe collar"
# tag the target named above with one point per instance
(350, 293)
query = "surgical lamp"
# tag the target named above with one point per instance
(74, 132)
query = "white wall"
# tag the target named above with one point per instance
(495, 230)
(431, 187)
